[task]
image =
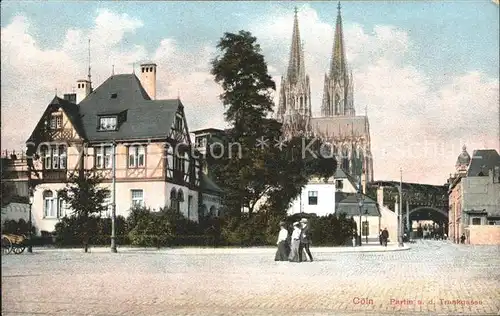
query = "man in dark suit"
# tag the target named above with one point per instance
(305, 240)
(385, 236)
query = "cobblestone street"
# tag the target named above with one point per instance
(424, 280)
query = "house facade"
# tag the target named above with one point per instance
(474, 198)
(339, 195)
(120, 131)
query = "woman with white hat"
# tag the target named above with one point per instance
(295, 243)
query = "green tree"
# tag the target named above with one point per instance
(241, 70)
(278, 173)
(85, 197)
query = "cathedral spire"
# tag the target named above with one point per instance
(294, 108)
(338, 62)
(296, 62)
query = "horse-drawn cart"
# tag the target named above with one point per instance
(13, 243)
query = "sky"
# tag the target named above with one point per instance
(426, 73)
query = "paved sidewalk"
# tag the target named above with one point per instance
(229, 250)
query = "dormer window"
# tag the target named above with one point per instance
(178, 123)
(108, 123)
(55, 121)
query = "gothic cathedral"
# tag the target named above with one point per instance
(338, 125)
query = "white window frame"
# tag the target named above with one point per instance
(108, 123)
(61, 208)
(137, 156)
(63, 157)
(137, 201)
(55, 121)
(311, 194)
(54, 157)
(103, 155)
(186, 163)
(50, 205)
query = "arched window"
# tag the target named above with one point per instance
(337, 104)
(345, 159)
(179, 200)
(180, 196)
(170, 160)
(186, 163)
(203, 211)
(49, 204)
(173, 198)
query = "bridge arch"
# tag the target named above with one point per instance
(421, 208)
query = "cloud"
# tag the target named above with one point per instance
(41, 71)
(417, 122)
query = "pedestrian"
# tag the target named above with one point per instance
(385, 236)
(305, 240)
(282, 251)
(462, 238)
(295, 243)
(380, 237)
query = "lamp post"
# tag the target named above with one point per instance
(30, 225)
(400, 214)
(366, 221)
(113, 210)
(360, 204)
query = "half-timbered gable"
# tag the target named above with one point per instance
(56, 142)
(118, 130)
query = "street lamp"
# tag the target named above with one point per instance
(113, 210)
(366, 221)
(360, 204)
(400, 213)
(30, 225)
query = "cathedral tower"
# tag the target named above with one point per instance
(294, 108)
(338, 89)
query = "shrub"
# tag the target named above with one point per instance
(20, 227)
(245, 230)
(69, 231)
(151, 228)
(331, 230)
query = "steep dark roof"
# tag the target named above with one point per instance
(71, 111)
(341, 174)
(145, 118)
(208, 186)
(482, 161)
(209, 130)
(347, 203)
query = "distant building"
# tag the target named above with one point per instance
(474, 197)
(15, 189)
(157, 166)
(340, 195)
(338, 125)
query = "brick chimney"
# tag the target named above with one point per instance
(148, 79)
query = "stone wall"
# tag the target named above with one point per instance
(483, 235)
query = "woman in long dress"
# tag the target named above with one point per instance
(295, 243)
(282, 252)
